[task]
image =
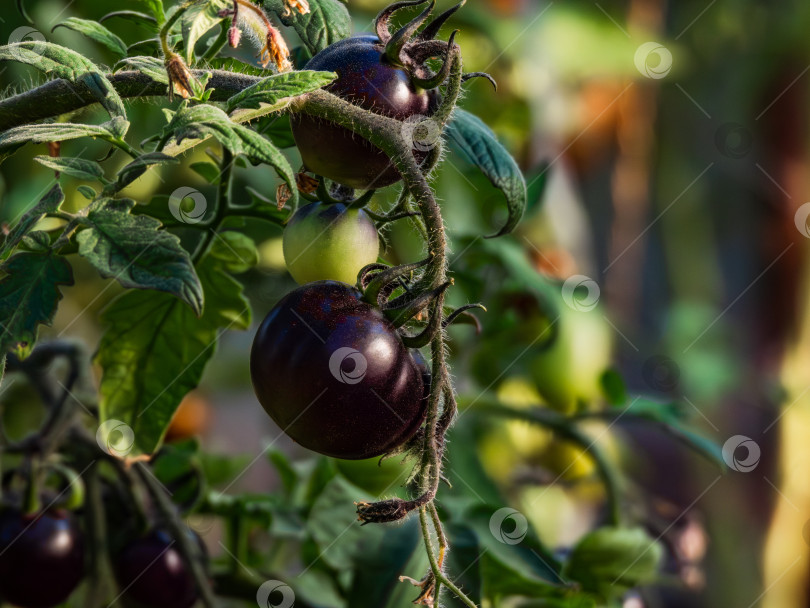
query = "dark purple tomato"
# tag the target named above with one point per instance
(41, 558)
(333, 373)
(368, 80)
(152, 574)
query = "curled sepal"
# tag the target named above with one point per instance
(404, 309)
(367, 273)
(376, 284)
(397, 42)
(384, 511)
(384, 18)
(432, 29)
(462, 315)
(471, 75)
(419, 52)
(433, 81)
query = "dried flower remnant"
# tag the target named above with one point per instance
(180, 78)
(300, 6)
(253, 21)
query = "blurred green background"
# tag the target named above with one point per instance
(671, 175)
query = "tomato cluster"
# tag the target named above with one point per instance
(328, 366)
(42, 561)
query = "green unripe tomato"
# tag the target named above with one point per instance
(569, 372)
(329, 242)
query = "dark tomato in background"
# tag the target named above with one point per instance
(152, 574)
(41, 557)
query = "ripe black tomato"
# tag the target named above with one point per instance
(333, 373)
(369, 80)
(41, 557)
(152, 574)
(329, 242)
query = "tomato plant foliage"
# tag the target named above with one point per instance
(182, 277)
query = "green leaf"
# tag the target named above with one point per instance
(333, 524)
(204, 120)
(278, 90)
(207, 170)
(149, 66)
(156, 6)
(50, 203)
(143, 19)
(61, 62)
(178, 468)
(155, 350)
(613, 387)
(481, 147)
(95, 31)
(87, 192)
(79, 168)
(198, 19)
(285, 470)
(29, 295)
(399, 551)
(133, 250)
(326, 22)
(610, 561)
(60, 131)
(138, 167)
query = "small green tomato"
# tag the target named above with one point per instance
(329, 242)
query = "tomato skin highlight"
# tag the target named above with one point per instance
(368, 80)
(333, 373)
(329, 242)
(42, 557)
(152, 574)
